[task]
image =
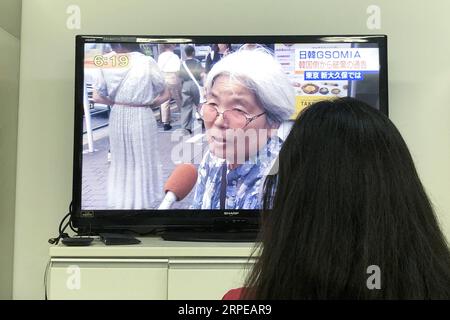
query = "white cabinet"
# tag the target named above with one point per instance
(154, 269)
(205, 278)
(108, 279)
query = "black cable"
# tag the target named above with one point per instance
(47, 268)
(70, 218)
(61, 230)
(62, 227)
(70, 224)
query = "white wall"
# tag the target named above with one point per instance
(10, 11)
(419, 75)
(9, 102)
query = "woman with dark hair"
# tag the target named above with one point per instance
(219, 51)
(347, 200)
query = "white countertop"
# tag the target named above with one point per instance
(156, 247)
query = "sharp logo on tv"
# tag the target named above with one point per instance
(234, 213)
(87, 214)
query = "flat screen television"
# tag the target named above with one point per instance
(142, 113)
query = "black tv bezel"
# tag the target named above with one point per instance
(143, 221)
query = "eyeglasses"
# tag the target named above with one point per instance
(236, 119)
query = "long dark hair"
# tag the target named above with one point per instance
(347, 196)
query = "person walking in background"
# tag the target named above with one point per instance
(169, 63)
(190, 95)
(219, 51)
(135, 179)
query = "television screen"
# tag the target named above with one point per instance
(188, 124)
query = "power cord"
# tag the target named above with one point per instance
(62, 228)
(47, 268)
(61, 235)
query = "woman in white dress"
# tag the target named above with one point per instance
(131, 84)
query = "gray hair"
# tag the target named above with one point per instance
(258, 71)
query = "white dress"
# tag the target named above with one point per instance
(135, 175)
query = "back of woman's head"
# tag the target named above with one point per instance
(347, 197)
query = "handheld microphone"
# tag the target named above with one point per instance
(179, 184)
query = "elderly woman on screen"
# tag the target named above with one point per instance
(249, 97)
